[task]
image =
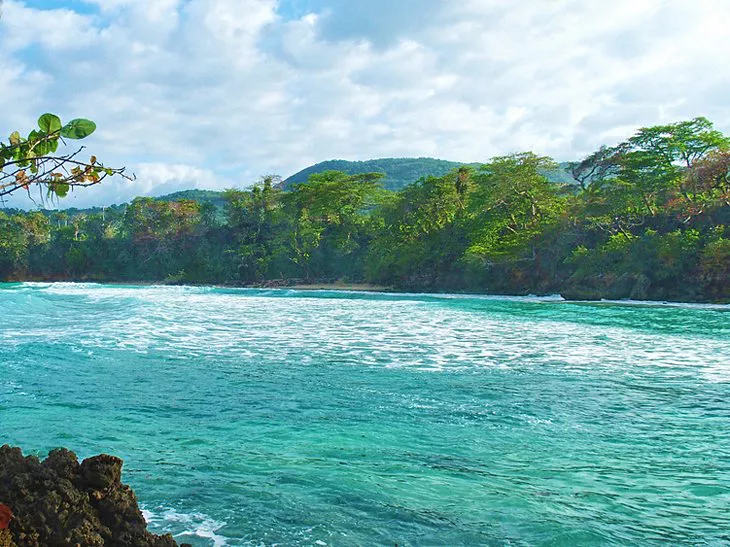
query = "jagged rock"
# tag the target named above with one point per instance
(620, 288)
(60, 502)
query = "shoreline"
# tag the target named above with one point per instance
(366, 288)
(354, 287)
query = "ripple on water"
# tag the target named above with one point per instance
(251, 417)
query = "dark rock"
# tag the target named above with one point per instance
(101, 472)
(640, 290)
(580, 293)
(63, 462)
(609, 287)
(61, 502)
(620, 288)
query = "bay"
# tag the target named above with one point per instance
(262, 417)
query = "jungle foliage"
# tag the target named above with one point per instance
(647, 218)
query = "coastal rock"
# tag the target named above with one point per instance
(636, 287)
(640, 290)
(61, 502)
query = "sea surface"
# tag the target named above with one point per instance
(254, 417)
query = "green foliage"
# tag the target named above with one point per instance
(715, 269)
(50, 124)
(513, 204)
(646, 220)
(329, 216)
(27, 162)
(397, 173)
(78, 129)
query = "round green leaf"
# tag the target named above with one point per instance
(49, 123)
(61, 189)
(41, 149)
(78, 129)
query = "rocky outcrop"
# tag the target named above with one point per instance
(61, 502)
(635, 287)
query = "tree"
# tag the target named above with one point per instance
(329, 220)
(420, 237)
(599, 165)
(630, 185)
(255, 223)
(512, 205)
(32, 161)
(708, 180)
(680, 143)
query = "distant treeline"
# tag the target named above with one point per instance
(645, 219)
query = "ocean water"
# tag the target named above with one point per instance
(252, 417)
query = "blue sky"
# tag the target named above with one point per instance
(216, 93)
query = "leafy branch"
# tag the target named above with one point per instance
(28, 162)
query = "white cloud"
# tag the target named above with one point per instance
(59, 29)
(212, 93)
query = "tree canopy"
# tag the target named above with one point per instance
(647, 218)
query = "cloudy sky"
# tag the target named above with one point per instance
(215, 93)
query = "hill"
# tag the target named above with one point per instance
(399, 172)
(203, 196)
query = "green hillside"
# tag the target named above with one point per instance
(203, 196)
(399, 172)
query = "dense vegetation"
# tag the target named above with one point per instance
(647, 218)
(397, 173)
(400, 172)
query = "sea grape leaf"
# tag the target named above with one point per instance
(78, 129)
(49, 123)
(61, 189)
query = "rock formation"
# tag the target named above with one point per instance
(61, 502)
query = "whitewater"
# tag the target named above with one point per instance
(283, 417)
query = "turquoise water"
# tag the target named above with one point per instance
(249, 417)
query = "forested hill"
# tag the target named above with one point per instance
(399, 172)
(201, 196)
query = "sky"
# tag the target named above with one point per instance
(214, 94)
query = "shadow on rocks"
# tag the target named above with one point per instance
(61, 502)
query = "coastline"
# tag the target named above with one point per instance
(355, 287)
(366, 288)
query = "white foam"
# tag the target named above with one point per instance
(188, 323)
(194, 524)
(96, 290)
